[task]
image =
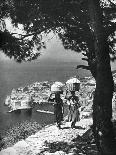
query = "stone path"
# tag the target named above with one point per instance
(38, 143)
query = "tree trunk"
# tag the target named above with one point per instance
(102, 104)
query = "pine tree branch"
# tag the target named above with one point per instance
(112, 4)
(85, 54)
(85, 59)
(83, 67)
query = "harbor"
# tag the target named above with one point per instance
(42, 112)
(37, 93)
(27, 97)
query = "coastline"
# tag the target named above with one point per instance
(49, 129)
(26, 128)
(41, 142)
(33, 88)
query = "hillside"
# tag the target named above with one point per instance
(52, 141)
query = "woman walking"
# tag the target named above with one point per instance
(58, 108)
(73, 102)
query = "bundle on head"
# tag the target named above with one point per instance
(73, 84)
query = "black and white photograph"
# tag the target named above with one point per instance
(57, 77)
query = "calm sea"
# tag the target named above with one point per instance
(13, 75)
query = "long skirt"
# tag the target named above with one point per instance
(58, 114)
(73, 115)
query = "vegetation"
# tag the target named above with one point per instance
(19, 132)
(83, 26)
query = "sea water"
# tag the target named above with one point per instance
(13, 75)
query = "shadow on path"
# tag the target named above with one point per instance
(80, 145)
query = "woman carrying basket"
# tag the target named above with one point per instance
(58, 108)
(57, 89)
(73, 102)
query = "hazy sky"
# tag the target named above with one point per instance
(54, 49)
(54, 52)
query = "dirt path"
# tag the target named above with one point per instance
(53, 141)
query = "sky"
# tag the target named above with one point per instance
(54, 51)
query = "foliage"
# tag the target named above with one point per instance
(86, 26)
(69, 19)
(18, 132)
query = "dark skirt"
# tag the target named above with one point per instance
(58, 113)
(73, 114)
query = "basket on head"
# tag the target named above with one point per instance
(57, 87)
(73, 84)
